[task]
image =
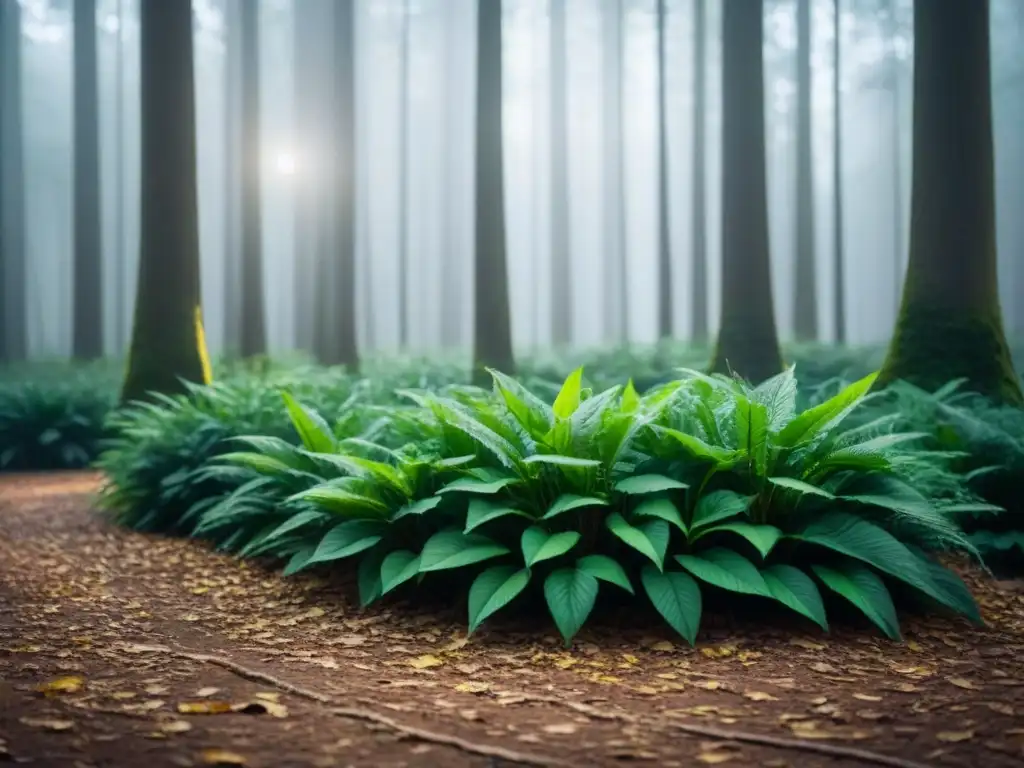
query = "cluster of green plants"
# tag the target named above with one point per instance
(700, 489)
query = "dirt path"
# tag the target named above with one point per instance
(139, 644)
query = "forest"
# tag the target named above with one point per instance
(511, 382)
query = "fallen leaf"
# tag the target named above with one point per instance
(823, 668)
(914, 646)
(663, 646)
(47, 723)
(267, 696)
(68, 684)
(954, 737)
(473, 686)
(716, 757)
(205, 693)
(866, 697)
(759, 696)
(176, 726)
(1000, 708)
(261, 708)
(561, 729)
(155, 690)
(314, 613)
(203, 707)
(960, 682)
(425, 662)
(222, 757)
(709, 685)
(123, 695)
(807, 644)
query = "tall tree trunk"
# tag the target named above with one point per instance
(664, 231)
(234, 159)
(253, 339)
(168, 343)
(805, 305)
(950, 323)
(121, 265)
(839, 278)
(699, 296)
(87, 331)
(747, 340)
(403, 180)
(13, 264)
(616, 285)
(895, 127)
(451, 266)
(561, 244)
(342, 348)
(492, 327)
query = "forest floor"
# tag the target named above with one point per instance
(120, 649)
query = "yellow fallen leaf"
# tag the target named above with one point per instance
(914, 646)
(566, 662)
(960, 682)
(205, 693)
(629, 658)
(150, 705)
(809, 645)
(314, 613)
(176, 726)
(203, 707)
(1001, 708)
(48, 724)
(222, 757)
(425, 662)
(473, 686)
(606, 679)
(716, 757)
(155, 690)
(68, 684)
(123, 695)
(663, 646)
(708, 685)
(267, 696)
(759, 696)
(261, 708)
(561, 729)
(954, 737)
(866, 697)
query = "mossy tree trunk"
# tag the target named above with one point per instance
(13, 263)
(561, 241)
(87, 296)
(699, 294)
(492, 328)
(805, 303)
(950, 323)
(747, 340)
(168, 344)
(665, 313)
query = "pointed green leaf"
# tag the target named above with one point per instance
(295, 522)
(862, 587)
(568, 399)
(727, 570)
(299, 560)
(630, 399)
(752, 432)
(636, 538)
(640, 484)
(717, 506)
(347, 539)
(534, 414)
(314, 432)
(339, 501)
(570, 501)
(559, 460)
(454, 549)
(570, 594)
(455, 461)
(484, 511)
(539, 545)
(368, 577)
(676, 597)
(778, 395)
(475, 485)
(697, 449)
(398, 567)
(605, 569)
(661, 508)
(762, 537)
(821, 418)
(792, 484)
(416, 508)
(492, 590)
(794, 588)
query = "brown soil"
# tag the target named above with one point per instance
(119, 649)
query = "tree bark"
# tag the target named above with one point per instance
(87, 329)
(561, 243)
(492, 337)
(665, 314)
(13, 264)
(896, 134)
(168, 343)
(839, 278)
(234, 159)
(805, 305)
(747, 340)
(950, 323)
(699, 296)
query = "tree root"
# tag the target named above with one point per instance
(355, 713)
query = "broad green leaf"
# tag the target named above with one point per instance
(636, 538)
(801, 487)
(314, 432)
(338, 501)
(368, 577)
(295, 522)
(416, 508)
(640, 484)
(492, 590)
(570, 594)
(752, 432)
(568, 399)
(570, 501)
(299, 560)
(454, 549)
(661, 508)
(778, 396)
(864, 541)
(258, 462)
(821, 418)
(630, 399)
(484, 511)
(534, 414)
(476, 485)
(951, 585)
(375, 471)
(862, 587)
(676, 596)
(605, 569)
(559, 460)
(727, 570)
(794, 588)
(398, 567)
(700, 450)
(347, 539)
(659, 534)
(455, 461)
(717, 506)
(539, 545)
(762, 537)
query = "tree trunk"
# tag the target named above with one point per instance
(747, 340)
(403, 180)
(234, 159)
(664, 217)
(616, 285)
(168, 343)
(805, 305)
(561, 245)
(253, 338)
(13, 264)
(87, 330)
(120, 251)
(897, 152)
(699, 296)
(839, 278)
(950, 323)
(492, 328)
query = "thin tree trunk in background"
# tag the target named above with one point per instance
(87, 328)
(403, 180)
(561, 245)
(13, 264)
(805, 305)
(343, 346)
(492, 327)
(253, 339)
(168, 343)
(121, 265)
(664, 216)
(233, 161)
(897, 151)
(616, 287)
(451, 317)
(747, 340)
(699, 297)
(839, 284)
(950, 324)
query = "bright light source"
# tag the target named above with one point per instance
(286, 164)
